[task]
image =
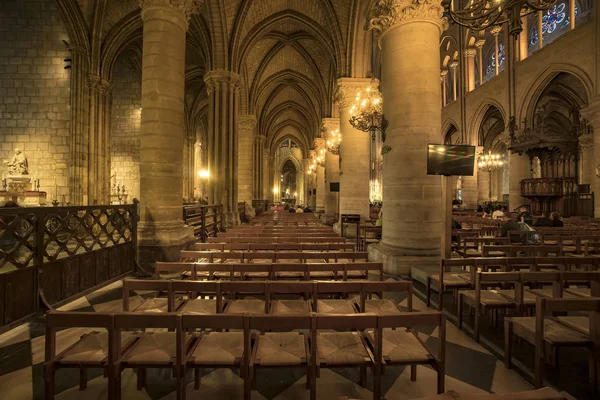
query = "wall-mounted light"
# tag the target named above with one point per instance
(275, 190)
(204, 174)
(67, 60)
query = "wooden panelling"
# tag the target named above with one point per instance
(87, 271)
(102, 268)
(2, 298)
(70, 277)
(19, 286)
(52, 281)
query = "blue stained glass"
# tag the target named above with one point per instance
(555, 18)
(501, 58)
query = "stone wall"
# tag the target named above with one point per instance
(34, 91)
(125, 127)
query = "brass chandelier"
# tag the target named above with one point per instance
(333, 142)
(367, 110)
(482, 14)
(490, 162)
(317, 161)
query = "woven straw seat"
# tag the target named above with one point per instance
(453, 279)
(219, 348)
(488, 297)
(257, 275)
(93, 348)
(580, 292)
(289, 274)
(321, 274)
(472, 253)
(287, 307)
(335, 306)
(569, 249)
(341, 348)
(381, 307)
(580, 323)
(246, 306)
(316, 261)
(281, 348)
(159, 304)
(496, 253)
(400, 345)
(554, 331)
(226, 275)
(200, 306)
(153, 347)
(548, 292)
(355, 274)
(528, 298)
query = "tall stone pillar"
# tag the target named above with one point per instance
(305, 164)
(354, 152)
(189, 163)
(524, 40)
(592, 115)
(267, 186)
(223, 93)
(99, 141)
(483, 186)
(470, 190)
(412, 211)
(320, 177)
(470, 54)
(162, 233)
(519, 169)
(332, 171)
(246, 166)
(479, 46)
(257, 166)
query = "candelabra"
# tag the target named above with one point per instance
(490, 162)
(333, 142)
(367, 111)
(119, 192)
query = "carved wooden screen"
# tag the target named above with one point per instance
(56, 253)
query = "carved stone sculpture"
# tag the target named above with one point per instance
(18, 164)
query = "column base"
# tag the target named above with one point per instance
(328, 219)
(396, 263)
(349, 230)
(162, 243)
(232, 219)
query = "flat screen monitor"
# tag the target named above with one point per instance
(450, 160)
(334, 186)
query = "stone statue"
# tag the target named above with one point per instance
(18, 164)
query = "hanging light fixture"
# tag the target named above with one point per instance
(334, 139)
(482, 14)
(490, 162)
(367, 110)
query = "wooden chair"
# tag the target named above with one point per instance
(544, 331)
(360, 270)
(249, 272)
(325, 271)
(217, 349)
(287, 306)
(151, 349)
(381, 306)
(335, 306)
(447, 279)
(260, 256)
(289, 349)
(343, 349)
(174, 270)
(294, 271)
(153, 304)
(233, 290)
(203, 298)
(404, 347)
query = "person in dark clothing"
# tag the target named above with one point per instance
(292, 210)
(455, 225)
(544, 221)
(479, 208)
(556, 220)
(510, 225)
(525, 216)
(307, 210)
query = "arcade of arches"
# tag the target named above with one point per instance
(147, 94)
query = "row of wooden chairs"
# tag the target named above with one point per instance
(267, 297)
(299, 239)
(198, 341)
(273, 271)
(271, 256)
(237, 234)
(274, 247)
(459, 273)
(546, 393)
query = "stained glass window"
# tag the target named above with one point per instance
(555, 18)
(491, 68)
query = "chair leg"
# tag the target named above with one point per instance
(441, 302)
(197, 380)
(413, 373)
(180, 379)
(460, 311)
(141, 378)
(117, 384)
(477, 321)
(508, 343)
(377, 395)
(428, 291)
(363, 375)
(308, 370)
(82, 378)
(49, 382)
(441, 379)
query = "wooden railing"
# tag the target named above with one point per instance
(49, 255)
(207, 221)
(545, 187)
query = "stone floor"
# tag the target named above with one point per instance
(470, 368)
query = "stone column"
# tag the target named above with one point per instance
(453, 66)
(320, 177)
(332, 171)
(524, 40)
(496, 31)
(223, 93)
(189, 170)
(443, 77)
(257, 166)
(412, 212)
(266, 187)
(246, 166)
(470, 58)
(98, 151)
(162, 233)
(354, 152)
(592, 115)
(519, 169)
(479, 46)
(305, 164)
(470, 190)
(540, 25)
(483, 187)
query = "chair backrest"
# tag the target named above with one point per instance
(263, 246)
(236, 247)
(288, 247)
(197, 256)
(370, 287)
(298, 256)
(244, 287)
(210, 269)
(291, 287)
(195, 289)
(316, 246)
(174, 267)
(288, 267)
(345, 321)
(335, 287)
(335, 268)
(208, 246)
(260, 255)
(287, 322)
(214, 321)
(351, 255)
(365, 267)
(143, 284)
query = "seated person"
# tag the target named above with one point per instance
(299, 209)
(556, 220)
(498, 213)
(510, 225)
(525, 216)
(544, 221)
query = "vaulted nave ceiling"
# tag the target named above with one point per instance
(289, 54)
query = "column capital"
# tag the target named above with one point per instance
(329, 125)
(443, 73)
(181, 8)
(496, 30)
(260, 138)
(348, 88)
(319, 144)
(95, 82)
(220, 79)
(385, 15)
(480, 43)
(586, 142)
(470, 52)
(453, 64)
(246, 122)
(592, 114)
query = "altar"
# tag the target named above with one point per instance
(17, 186)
